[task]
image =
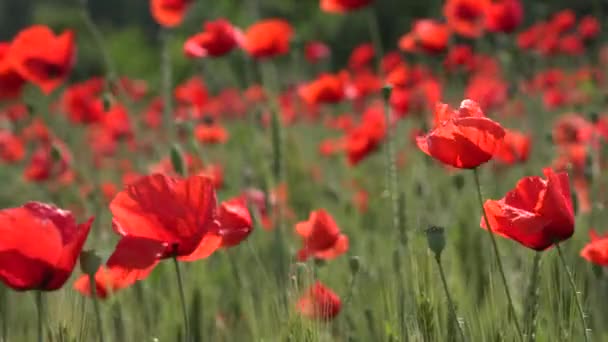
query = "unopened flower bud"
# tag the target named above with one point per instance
(436, 239)
(89, 262)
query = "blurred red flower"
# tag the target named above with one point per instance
(343, 6)
(361, 56)
(169, 13)
(327, 88)
(218, 38)
(11, 82)
(193, 95)
(538, 213)
(268, 38)
(515, 148)
(589, 28)
(235, 221)
(12, 148)
(320, 303)
(43, 58)
(464, 138)
(50, 161)
(316, 51)
(563, 21)
(366, 137)
(211, 133)
(466, 17)
(504, 15)
(459, 57)
(596, 251)
(571, 44)
(321, 236)
(81, 101)
(39, 246)
(427, 35)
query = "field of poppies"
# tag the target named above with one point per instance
(448, 186)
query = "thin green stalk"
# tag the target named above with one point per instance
(4, 308)
(451, 305)
(374, 30)
(98, 38)
(182, 298)
(392, 182)
(95, 300)
(497, 254)
(40, 308)
(531, 314)
(166, 86)
(579, 306)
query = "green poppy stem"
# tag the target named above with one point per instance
(579, 306)
(182, 298)
(451, 305)
(93, 289)
(40, 309)
(497, 254)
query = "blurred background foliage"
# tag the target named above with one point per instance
(133, 38)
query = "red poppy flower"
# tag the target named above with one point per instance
(331, 147)
(12, 148)
(319, 303)
(321, 236)
(49, 161)
(572, 128)
(169, 13)
(135, 89)
(235, 221)
(459, 57)
(11, 81)
(596, 251)
(466, 17)
(193, 94)
(133, 259)
(504, 15)
(43, 58)
(571, 45)
(153, 116)
(390, 61)
(490, 91)
(537, 213)
(39, 246)
(589, 28)
(81, 101)
(366, 137)
(268, 38)
(218, 39)
(327, 88)
(176, 213)
(316, 51)
(427, 35)
(343, 6)
(361, 56)
(211, 133)
(563, 21)
(515, 148)
(464, 138)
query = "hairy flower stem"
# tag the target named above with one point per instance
(166, 85)
(392, 181)
(531, 314)
(93, 289)
(40, 308)
(497, 254)
(451, 305)
(579, 306)
(182, 299)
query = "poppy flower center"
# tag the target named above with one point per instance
(44, 69)
(467, 11)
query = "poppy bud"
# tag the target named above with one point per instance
(386, 92)
(594, 117)
(107, 101)
(319, 263)
(436, 239)
(89, 262)
(177, 160)
(355, 264)
(55, 153)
